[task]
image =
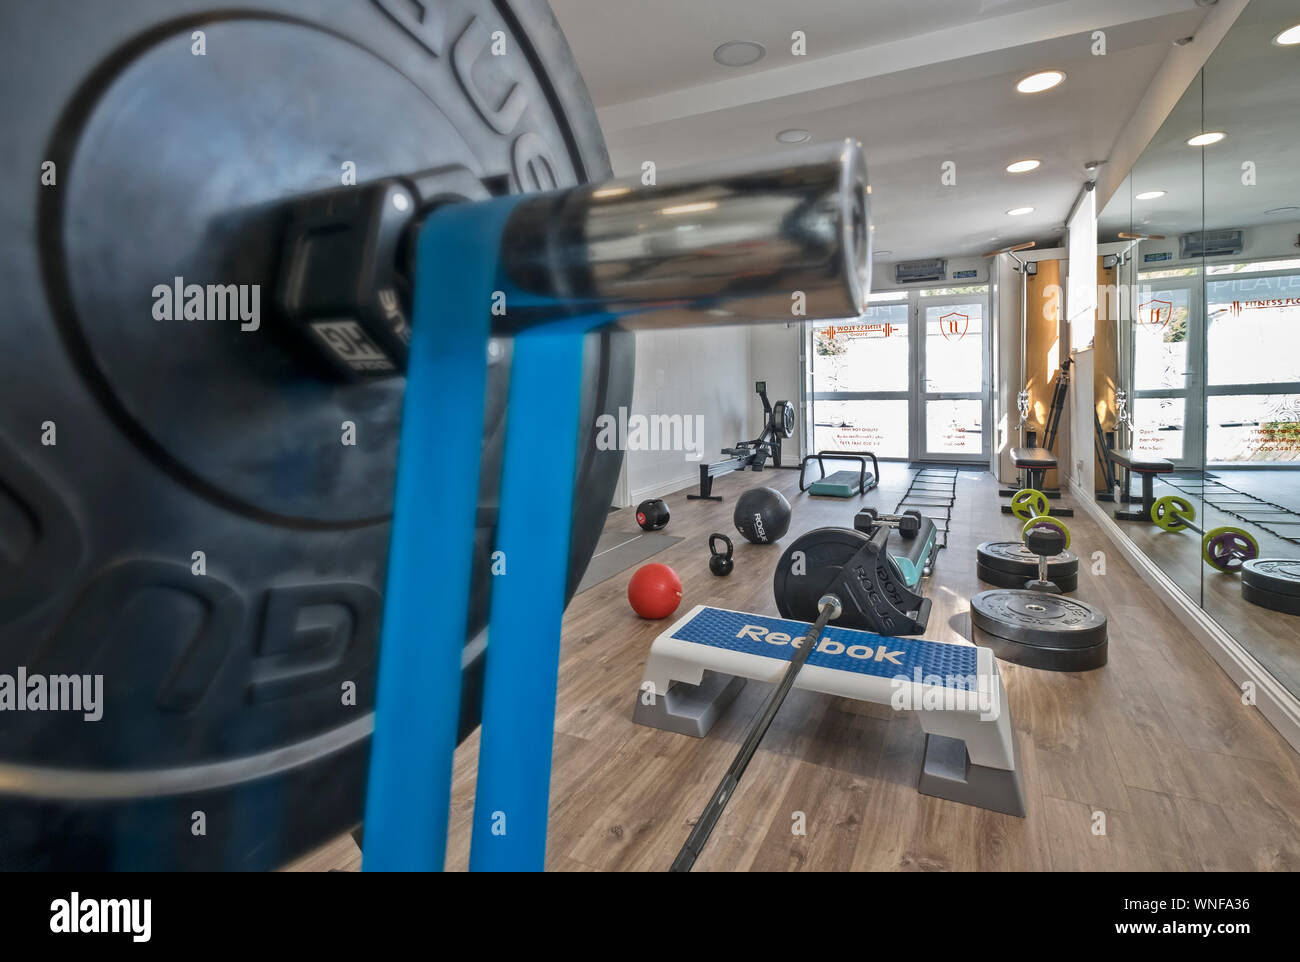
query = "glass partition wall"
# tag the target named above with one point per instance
(1199, 379)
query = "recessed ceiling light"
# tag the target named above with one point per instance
(1204, 140)
(1288, 37)
(1150, 194)
(1038, 82)
(739, 53)
(883, 253)
(1020, 166)
(1281, 210)
(794, 136)
(1017, 211)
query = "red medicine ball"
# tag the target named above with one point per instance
(654, 591)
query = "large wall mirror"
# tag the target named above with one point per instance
(1198, 345)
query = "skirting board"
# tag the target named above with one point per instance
(691, 480)
(1275, 703)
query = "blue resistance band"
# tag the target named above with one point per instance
(427, 595)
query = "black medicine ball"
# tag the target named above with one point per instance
(762, 515)
(652, 515)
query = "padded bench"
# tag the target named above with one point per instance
(698, 666)
(1036, 462)
(1148, 468)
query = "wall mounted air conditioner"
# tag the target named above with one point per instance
(913, 272)
(1210, 243)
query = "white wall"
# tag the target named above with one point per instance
(774, 358)
(702, 371)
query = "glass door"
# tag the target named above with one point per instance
(1166, 412)
(865, 396)
(952, 392)
(860, 380)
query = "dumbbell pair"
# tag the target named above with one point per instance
(908, 523)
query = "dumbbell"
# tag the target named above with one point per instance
(1042, 534)
(1046, 537)
(1226, 548)
(908, 523)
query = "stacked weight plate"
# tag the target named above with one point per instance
(1040, 630)
(1009, 564)
(1272, 583)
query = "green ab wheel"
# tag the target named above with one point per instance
(1173, 513)
(1047, 521)
(1029, 503)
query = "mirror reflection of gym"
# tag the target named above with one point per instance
(1198, 367)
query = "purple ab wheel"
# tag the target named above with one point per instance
(1227, 549)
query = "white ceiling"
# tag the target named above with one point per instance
(1251, 92)
(919, 82)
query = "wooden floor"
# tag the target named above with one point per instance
(1158, 741)
(1272, 637)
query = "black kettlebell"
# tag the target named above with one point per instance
(719, 563)
(652, 515)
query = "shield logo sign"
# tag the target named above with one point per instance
(1155, 313)
(954, 326)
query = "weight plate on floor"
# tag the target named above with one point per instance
(1276, 600)
(1014, 558)
(1280, 575)
(180, 509)
(1045, 658)
(1037, 618)
(1007, 579)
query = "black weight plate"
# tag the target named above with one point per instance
(1276, 600)
(1278, 575)
(825, 553)
(1004, 579)
(182, 436)
(1045, 658)
(1037, 618)
(1013, 557)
